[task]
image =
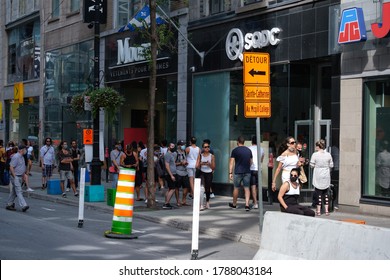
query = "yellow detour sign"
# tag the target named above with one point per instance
(256, 68)
(254, 93)
(257, 109)
(88, 136)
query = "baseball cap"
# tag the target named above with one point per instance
(21, 147)
(180, 142)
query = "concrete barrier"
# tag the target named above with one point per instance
(287, 236)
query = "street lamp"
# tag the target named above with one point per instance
(96, 164)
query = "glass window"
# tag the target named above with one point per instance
(217, 6)
(68, 71)
(74, 5)
(24, 52)
(376, 151)
(126, 10)
(55, 8)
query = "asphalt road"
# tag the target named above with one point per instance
(49, 231)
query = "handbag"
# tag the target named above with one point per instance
(302, 177)
(112, 169)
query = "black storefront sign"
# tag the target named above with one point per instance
(125, 59)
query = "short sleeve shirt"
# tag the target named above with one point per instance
(242, 159)
(170, 159)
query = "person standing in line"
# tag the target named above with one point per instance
(289, 194)
(115, 156)
(241, 160)
(28, 163)
(171, 176)
(2, 161)
(30, 156)
(322, 162)
(163, 151)
(193, 153)
(288, 160)
(208, 141)
(182, 174)
(17, 171)
(130, 160)
(206, 161)
(65, 167)
(75, 152)
(254, 170)
(47, 159)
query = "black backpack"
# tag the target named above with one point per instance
(160, 167)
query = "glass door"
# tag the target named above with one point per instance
(303, 131)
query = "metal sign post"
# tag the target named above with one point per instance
(257, 104)
(195, 220)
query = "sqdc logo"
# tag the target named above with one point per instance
(236, 42)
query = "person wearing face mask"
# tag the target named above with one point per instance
(65, 167)
(17, 171)
(116, 156)
(289, 194)
(182, 174)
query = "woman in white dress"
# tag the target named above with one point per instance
(322, 162)
(287, 161)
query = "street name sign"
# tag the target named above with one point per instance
(257, 109)
(255, 93)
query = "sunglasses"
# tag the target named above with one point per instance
(206, 147)
(292, 142)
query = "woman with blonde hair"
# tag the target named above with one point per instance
(322, 162)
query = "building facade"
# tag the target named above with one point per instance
(364, 106)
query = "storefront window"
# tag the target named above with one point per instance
(376, 151)
(69, 71)
(24, 48)
(126, 10)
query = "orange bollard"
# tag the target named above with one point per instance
(122, 220)
(361, 222)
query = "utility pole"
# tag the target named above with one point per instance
(96, 164)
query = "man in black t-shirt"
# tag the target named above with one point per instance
(241, 160)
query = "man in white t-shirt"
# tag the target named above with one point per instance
(254, 170)
(193, 153)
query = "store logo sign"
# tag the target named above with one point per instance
(128, 54)
(352, 27)
(236, 42)
(381, 29)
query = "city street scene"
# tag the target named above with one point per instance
(195, 130)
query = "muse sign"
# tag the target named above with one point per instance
(353, 28)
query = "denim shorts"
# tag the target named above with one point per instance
(242, 178)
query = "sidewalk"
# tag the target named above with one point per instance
(219, 221)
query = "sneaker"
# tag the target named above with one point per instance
(336, 208)
(64, 195)
(25, 208)
(201, 208)
(30, 189)
(247, 208)
(146, 201)
(10, 207)
(68, 189)
(232, 206)
(44, 186)
(76, 194)
(167, 206)
(212, 195)
(255, 206)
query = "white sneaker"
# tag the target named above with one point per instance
(146, 201)
(255, 206)
(68, 189)
(30, 189)
(212, 195)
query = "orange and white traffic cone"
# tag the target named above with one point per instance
(122, 220)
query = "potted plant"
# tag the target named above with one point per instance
(105, 97)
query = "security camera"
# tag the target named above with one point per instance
(192, 69)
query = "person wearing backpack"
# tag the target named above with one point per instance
(182, 174)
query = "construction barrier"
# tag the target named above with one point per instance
(122, 220)
(295, 237)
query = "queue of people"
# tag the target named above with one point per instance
(176, 166)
